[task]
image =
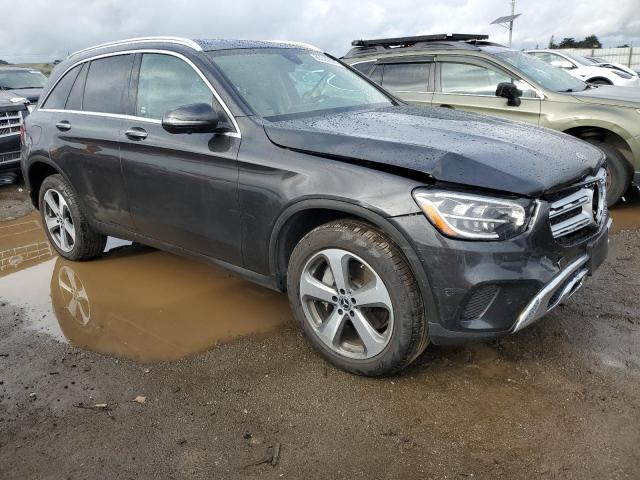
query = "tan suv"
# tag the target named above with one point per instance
(467, 72)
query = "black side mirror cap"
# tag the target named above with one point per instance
(194, 118)
(509, 91)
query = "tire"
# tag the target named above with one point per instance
(599, 81)
(85, 243)
(369, 254)
(618, 172)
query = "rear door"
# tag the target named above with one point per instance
(470, 84)
(182, 188)
(85, 111)
(410, 79)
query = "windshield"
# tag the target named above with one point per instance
(578, 59)
(12, 79)
(542, 73)
(276, 82)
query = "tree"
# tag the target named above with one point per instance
(626, 45)
(3, 62)
(567, 42)
(552, 44)
(589, 42)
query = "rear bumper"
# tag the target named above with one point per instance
(483, 290)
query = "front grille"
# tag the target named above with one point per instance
(577, 212)
(9, 157)
(10, 123)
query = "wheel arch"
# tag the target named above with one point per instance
(302, 217)
(38, 169)
(602, 79)
(605, 135)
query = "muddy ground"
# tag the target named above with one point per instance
(560, 399)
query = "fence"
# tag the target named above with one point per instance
(626, 56)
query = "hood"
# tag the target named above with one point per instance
(450, 146)
(31, 94)
(610, 95)
(7, 104)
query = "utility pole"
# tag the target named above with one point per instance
(507, 22)
(513, 11)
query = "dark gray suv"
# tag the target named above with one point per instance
(389, 225)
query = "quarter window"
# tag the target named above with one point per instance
(106, 85)
(406, 77)
(363, 67)
(463, 78)
(58, 96)
(166, 83)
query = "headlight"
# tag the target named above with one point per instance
(624, 75)
(18, 100)
(474, 217)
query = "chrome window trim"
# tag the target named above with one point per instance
(187, 42)
(488, 96)
(236, 134)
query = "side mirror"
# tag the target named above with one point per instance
(566, 64)
(195, 118)
(510, 92)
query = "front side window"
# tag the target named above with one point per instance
(16, 79)
(464, 78)
(166, 83)
(106, 84)
(276, 82)
(58, 96)
(406, 77)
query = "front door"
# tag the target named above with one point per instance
(182, 188)
(470, 84)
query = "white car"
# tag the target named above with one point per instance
(586, 70)
(616, 66)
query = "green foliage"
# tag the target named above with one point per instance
(590, 41)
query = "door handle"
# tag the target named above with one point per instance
(63, 125)
(136, 133)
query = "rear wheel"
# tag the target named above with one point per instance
(618, 173)
(65, 225)
(356, 299)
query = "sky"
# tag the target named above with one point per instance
(43, 30)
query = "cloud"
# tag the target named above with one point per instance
(41, 30)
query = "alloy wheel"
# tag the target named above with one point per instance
(346, 303)
(74, 295)
(58, 220)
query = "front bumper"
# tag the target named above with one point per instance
(483, 290)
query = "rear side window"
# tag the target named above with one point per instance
(406, 77)
(107, 82)
(74, 102)
(58, 96)
(166, 83)
(363, 67)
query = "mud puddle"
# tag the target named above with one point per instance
(626, 214)
(133, 302)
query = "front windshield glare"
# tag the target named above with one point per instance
(551, 78)
(12, 79)
(276, 82)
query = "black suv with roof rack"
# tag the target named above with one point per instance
(468, 72)
(390, 226)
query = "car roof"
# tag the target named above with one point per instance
(196, 44)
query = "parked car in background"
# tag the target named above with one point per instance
(389, 225)
(23, 82)
(13, 109)
(585, 69)
(616, 66)
(467, 72)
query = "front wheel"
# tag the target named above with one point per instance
(65, 224)
(618, 174)
(356, 299)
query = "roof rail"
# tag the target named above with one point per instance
(400, 41)
(177, 40)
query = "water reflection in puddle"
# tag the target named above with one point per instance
(133, 302)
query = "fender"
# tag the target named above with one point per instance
(374, 218)
(26, 172)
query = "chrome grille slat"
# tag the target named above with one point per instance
(583, 207)
(9, 157)
(10, 123)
